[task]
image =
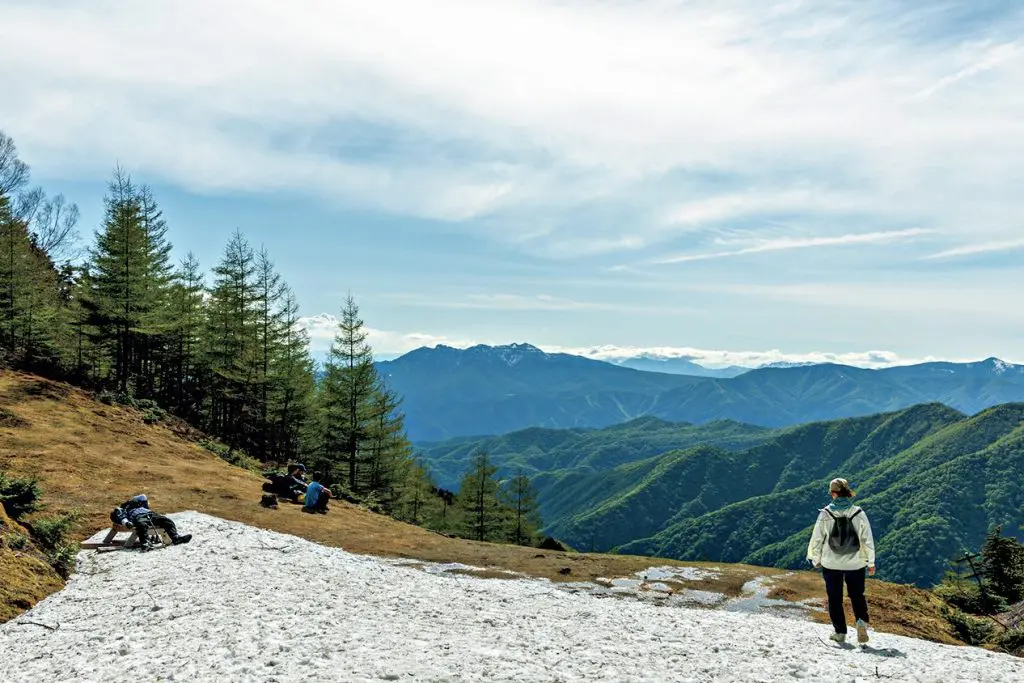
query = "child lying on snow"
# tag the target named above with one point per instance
(135, 513)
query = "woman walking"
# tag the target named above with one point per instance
(841, 544)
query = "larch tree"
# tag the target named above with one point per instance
(478, 498)
(348, 391)
(519, 499)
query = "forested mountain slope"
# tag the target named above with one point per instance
(933, 479)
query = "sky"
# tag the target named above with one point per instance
(758, 179)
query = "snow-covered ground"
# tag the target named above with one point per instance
(244, 604)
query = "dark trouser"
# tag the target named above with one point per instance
(321, 502)
(143, 523)
(834, 587)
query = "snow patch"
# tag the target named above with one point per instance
(245, 604)
(678, 574)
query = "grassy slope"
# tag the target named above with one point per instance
(90, 456)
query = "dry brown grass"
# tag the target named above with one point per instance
(91, 456)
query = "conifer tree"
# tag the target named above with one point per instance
(521, 502)
(349, 386)
(30, 286)
(131, 279)
(478, 499)
(291, 403)
(269, 334)
(185, 369)
(232, 354)
(1003, 565)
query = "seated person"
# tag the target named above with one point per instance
(288, 486)
(135, 513)
(317, 496)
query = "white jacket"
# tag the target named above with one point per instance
(821, 555)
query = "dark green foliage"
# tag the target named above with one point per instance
(20, 495)
(1003, 566)
(523, 518)
(966, 595)
(971, 630)
(1012, 641)
(52, 536)
(18, 541)
(478, 497)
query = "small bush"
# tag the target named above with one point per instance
(146, 404)
(966, 596)
(17, 541)
(52, 532)
(971, 630)
(52, 536)
(235, 456)
(19, 495)
(105, 397)
(1012, 641)
(154, 415)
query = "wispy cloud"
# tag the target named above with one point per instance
(610, 102)
(992, 58)
(788, 243)
(978, 248)
(520, 302)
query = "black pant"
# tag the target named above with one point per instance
(143, 523)
(854, 586)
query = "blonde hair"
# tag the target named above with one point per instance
(841, 488)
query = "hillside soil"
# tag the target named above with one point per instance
(89, 457)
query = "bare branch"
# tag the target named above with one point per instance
(13, 171)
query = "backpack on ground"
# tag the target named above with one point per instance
(843, 539)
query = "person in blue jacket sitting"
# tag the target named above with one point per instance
(135, 513)
(317, 496)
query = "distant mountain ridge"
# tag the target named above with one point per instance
(450, 392)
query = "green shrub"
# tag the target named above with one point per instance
(19, 495)
(17, 541)
(154, 415)
(105, 397)
(965, 595)
(53, 537)
(235, 456)
(1012, 641)
(971, 630)
(146, 404)
(52, 532)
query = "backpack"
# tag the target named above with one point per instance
(843, 538)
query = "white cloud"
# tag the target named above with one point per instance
(385, 343)
(979, 248)
(787, 243)
(479, 108)
(389, 343)
(751, 359)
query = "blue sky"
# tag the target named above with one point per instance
(753, 181)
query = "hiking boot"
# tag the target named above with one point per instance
(838, 637)
(180, 540)
(862, 631)
(145, 546)
(323, 510)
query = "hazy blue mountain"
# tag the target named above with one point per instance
(450, 392)
(677, 366)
